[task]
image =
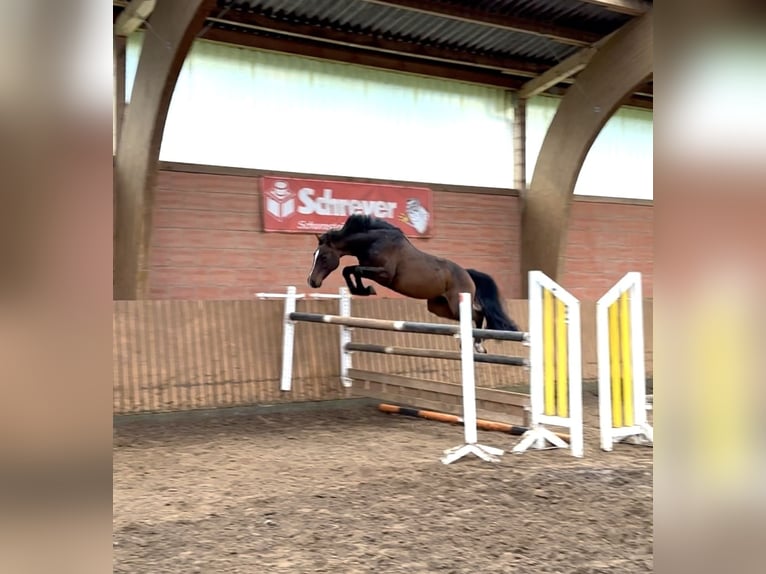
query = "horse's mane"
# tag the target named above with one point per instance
(359, 223)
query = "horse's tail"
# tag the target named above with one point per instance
(488, 296)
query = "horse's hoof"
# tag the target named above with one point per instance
(479, 348)
(371, 290)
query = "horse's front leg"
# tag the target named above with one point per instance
(355, 287)
(380, 275)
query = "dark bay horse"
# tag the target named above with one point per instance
(387, 257)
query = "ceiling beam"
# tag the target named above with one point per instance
(631, 7)
(562, 71)
(325, 34)
(134, 14)
(463, 13)
(400, 63)
(646, 89)
(636, 101)
(349, 55)
(558, 73)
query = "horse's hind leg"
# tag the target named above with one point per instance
(453, 301)
(440, 307)
(478, 319)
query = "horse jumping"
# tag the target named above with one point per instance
(387, 257)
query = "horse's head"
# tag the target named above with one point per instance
(326, 260)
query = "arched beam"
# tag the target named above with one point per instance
(623, 63)
(174, 24)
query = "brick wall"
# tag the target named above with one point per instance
(207, 241)
(607, 239)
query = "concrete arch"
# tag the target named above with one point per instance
(174, 25)
(624, 62)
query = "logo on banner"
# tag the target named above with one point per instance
(416, 216)
(280, 201)
(294, 205)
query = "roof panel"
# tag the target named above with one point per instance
(383, 32)
(418, 27)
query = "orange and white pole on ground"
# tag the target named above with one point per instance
(481, 424)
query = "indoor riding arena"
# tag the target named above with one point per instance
(353, 490)
(316, 486)
(262, 424)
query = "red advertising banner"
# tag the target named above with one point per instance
(293, 205)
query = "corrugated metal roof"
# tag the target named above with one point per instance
(581, 14)
(391, 22)
(494, 42)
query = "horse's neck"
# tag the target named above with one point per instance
(360, 244)
(356, 243)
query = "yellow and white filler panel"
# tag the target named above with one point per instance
(555, 363)
(621, 374)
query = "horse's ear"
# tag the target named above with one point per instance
(317, 236)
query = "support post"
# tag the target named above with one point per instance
(345, 337)
(119, 86)
(604, 376)
(471, 445)
(624, 62)
(288, 341)
(576, 431)
(637, 337)
(519, 144)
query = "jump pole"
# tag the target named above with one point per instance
(471, 445)
(464, 331)
(481, 424)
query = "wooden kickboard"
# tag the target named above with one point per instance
(491, 404)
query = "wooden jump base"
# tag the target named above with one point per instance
(481, 424)
(621, 378)
(504, 406)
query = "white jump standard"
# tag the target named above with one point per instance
(471, 445)
(555, 376)
(621, 373)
